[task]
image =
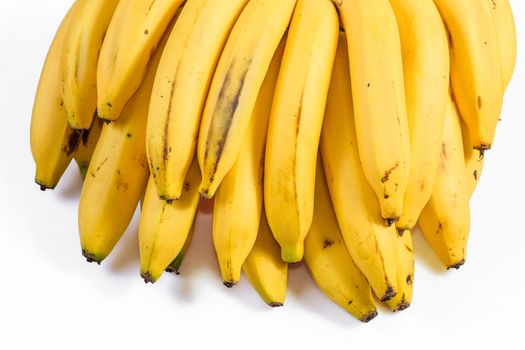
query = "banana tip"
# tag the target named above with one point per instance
(456, 265)
(90, 257)
(43, 187)
(275, 304)
(389, 294)
(369, 317)
(147, 277)
(402, 306)
(173, 270)
(229, 284)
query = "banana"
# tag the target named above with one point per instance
(53, 141)
(117, 175)
(264, 269)
(505, 29)
(79, 59)
(474, 66)
(405, 273)
(295, 124)
(164, 227)
(240, 193)
(328, 260)
(426, 66)
(378, 88)
(445, 220)
(370, 242)
(181, 85)
(175, 265)
(235, 85)
(87, 145)
(131, 40)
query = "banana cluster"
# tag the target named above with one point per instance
(325, 131)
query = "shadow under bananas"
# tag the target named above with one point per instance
(424, 253)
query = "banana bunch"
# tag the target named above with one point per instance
(325, 131)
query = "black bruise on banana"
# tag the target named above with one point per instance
(225, 109)
(72, 142)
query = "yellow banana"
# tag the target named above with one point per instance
(370, 242)
(474, 66)
(445, 220)
(405, 273)
(264, 268)
(329, 262)
(505, 29)
(235, 85)
(240, 193)
(295, 124)
(87, 145)
(379, 99)
(117, 175)
(180, 89)
(132, 37)
(79, 60)
(426, 66)
(53, 141)
(164, 227)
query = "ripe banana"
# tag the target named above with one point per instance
(474, 66)
(233, 92)
(426, 66)
(164, 227)
(379, 99)
(86, 146)
(53, 141)
(371, 243)
(264, 268)
(328, 260)
(295, 124)
(79, 59)
(505, 29)
(405, 273)
(130, 43)
(180, 89)
(117, 175)
(445, 220)
(240, 193)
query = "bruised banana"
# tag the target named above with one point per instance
(117, 175)
(135, 30)
(238, 200)
(381, 121)
(426, 66)
(445, 220)
(79, 60)
(405, 273)
(181, 85)
(235, 85)
(328, 261)
(295, 124)
(87, 145)
(370, 242)
(264, 268)
(475, 65)
(164, 226)
(53, 141)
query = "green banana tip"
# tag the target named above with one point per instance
(171, 269)
(90, 257)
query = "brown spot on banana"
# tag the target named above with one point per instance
(225, 109)
(72, 142)
(387, 174)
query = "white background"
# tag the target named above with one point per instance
(51, 298)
